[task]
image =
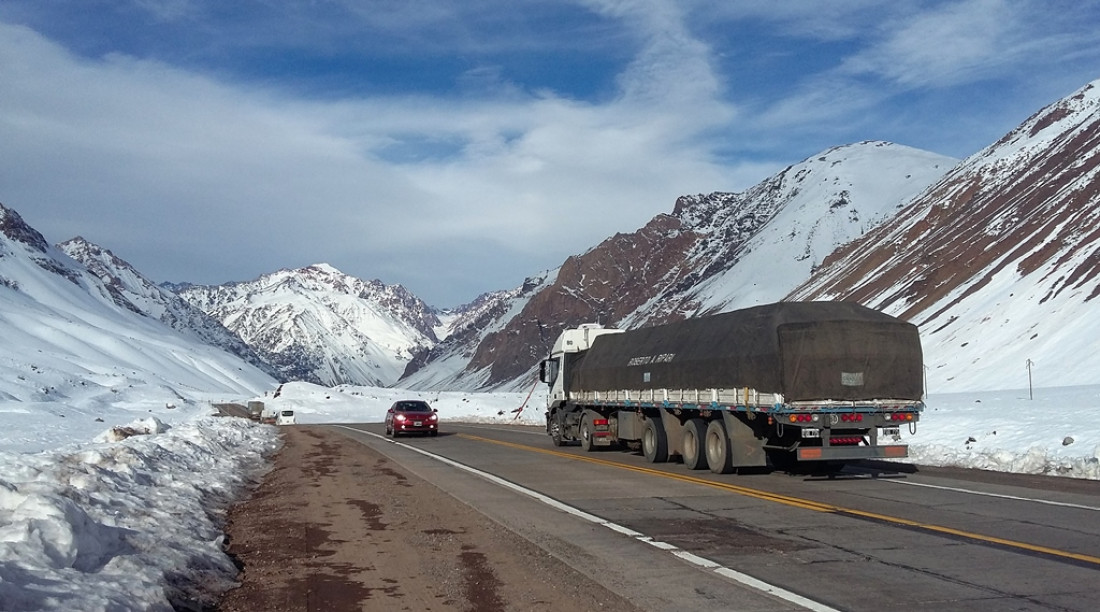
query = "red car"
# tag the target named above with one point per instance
(408, 416)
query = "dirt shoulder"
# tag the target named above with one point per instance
(337, 526)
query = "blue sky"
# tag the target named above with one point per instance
(458, 147)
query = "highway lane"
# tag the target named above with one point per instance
(931, 539)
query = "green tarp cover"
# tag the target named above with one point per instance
(804, 350)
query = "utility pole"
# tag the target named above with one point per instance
(1030, 392)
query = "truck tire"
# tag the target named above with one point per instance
(555, 431)
(694, 444)
(587, 443)
(654, 442)
(719, 453)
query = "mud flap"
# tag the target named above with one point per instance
(747, 449)
(674, 433)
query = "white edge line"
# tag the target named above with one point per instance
(691, 558)
(999, 495)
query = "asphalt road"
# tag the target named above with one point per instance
(668, 538)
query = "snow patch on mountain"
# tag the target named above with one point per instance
(998, 262)
(320, 325)
(714, 253)
(133, 291)
(821, 203)
(69, 347)
(448, 365)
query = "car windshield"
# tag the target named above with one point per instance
(413, 407)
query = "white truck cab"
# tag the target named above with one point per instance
(570, 342)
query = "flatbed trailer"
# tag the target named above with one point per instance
(822, 383)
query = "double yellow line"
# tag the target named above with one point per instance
(804, 503)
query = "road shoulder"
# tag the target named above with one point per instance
(336, 525)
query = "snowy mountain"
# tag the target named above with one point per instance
(317, 324)
(67, 342)
(995, 258)
(445, 365)
(998, 262)
(714, 253)
(133, 291)
(815, 206)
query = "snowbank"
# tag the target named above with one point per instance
(133, 524)
(127, 514)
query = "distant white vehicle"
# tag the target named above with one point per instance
(286, 417)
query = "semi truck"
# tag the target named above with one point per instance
(781, 386)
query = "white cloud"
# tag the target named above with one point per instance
(958, 42)
(167, 10)
(903, 64)
(192, 178)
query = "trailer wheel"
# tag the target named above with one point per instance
(694, 445)
(719, 453)
(654, 442)
(586, 433)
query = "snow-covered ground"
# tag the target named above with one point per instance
(94, 520)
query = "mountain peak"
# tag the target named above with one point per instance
(714, 252)
(1073, 115)
(324, 268)
(321, 325)
(84, 251)
(132, 291)
(1009, 236)
(68, 339)
(13, 226)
